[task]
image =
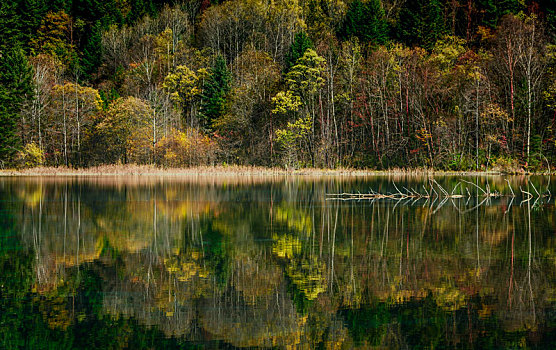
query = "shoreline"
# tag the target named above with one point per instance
(235, 170)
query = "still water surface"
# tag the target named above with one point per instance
(269, 262)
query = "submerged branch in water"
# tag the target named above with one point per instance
(433, 193)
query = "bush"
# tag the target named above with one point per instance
(30, 156)
(189, 148)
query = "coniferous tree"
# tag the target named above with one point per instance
(510, 6)
(215, 90)
(488, 10)
(365, 21)
(421, 23)
(433, 23)
(92, 51)
(15, 87)
(30, 13)
(550, 7)
(300, 44)
(10, 34)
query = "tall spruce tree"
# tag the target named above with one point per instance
(300, 44)
(421, 23)
(15, 87)
(366, 21)
(10, 34)
(91, 57)
(215, 90)
(550, 10)
(488, 11)
(30, 14)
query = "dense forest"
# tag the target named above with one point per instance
(444, 84)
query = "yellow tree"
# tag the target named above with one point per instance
(72, 110)
(304, 80)
(54, 37)
(126, 131)
(184, 87)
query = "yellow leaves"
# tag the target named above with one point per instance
(74, 95)
(294, 131)
(485, 33)
(305, 78)
(423, 135)
(186, 148)
(127, 130)
(31, 156)
(163, 43)
(449, 298)
(54, 37)
(447, 51)
(186, 267)
(286, 246)
(183, 85)
(285, 103)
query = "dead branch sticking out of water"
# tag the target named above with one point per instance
(436, 191)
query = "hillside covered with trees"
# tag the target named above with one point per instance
(448, 84)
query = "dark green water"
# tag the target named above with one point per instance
(148, 263)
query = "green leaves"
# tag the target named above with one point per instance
(215, 90)
(366, 21)
(305, 78)
(15, 87)
(301, 43)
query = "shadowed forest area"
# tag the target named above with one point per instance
(443, 84)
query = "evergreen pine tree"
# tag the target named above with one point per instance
(365, 21)
(92, 51)
(489, 13)
(510, 6)
(421, 23)
(30, 13)
(433, 25)
(215, 91)
(300, 44)
(15, 87)
(10, 34)
(549, 7)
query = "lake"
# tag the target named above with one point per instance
(276, 262)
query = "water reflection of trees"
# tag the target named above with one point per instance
(275, 264)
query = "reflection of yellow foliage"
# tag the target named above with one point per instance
(256, 279)
(294, 218)
(485, 311)
(183, 209)
(185, 268)
(32, 198)
(398, 296)
(55, 313)
(494, 237)
(307, 273)
(308, 276)
(72, 260)
(449, 298)
(286, 246)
